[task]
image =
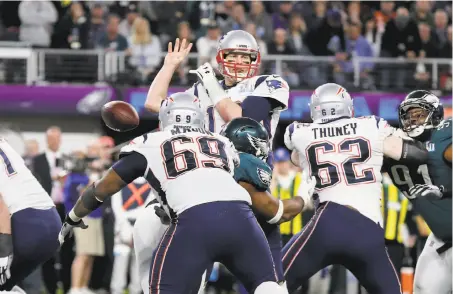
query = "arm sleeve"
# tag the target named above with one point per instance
(289, 136)
(275, 89)
(131, 166)
(256, 107)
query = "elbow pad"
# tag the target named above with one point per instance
(413, 152)
(89, 199)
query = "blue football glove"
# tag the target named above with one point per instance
(426, 191)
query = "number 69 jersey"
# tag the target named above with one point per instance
(345, 156)
(188, 167)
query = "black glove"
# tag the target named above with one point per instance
(162, 214)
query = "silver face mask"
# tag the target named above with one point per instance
(181, 109)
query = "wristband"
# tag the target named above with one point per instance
(216, 92)
(6, 245)
(278, 215)
(73, 217)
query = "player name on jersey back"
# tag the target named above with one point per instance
(189, 166)
(329, 132)
(345, 156)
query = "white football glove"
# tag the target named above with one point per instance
(68, 227)
(207, 77)
(5, 265)
(426, 191)
(307, 187)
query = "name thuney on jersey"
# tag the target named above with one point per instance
(348, 129)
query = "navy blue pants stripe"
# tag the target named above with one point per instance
(35, 240)
(297, 244)
(159, 258)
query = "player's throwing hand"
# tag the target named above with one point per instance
(177, 54)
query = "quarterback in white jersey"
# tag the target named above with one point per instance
(345, 155)
(211, 220)
(31, 224)
(241, 94)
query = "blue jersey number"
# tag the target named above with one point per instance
(8, 166)
(328, 174)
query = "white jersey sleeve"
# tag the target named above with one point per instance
(276, 88)
(18, 186)
(384, 130)
(293, 131)
(136, 145)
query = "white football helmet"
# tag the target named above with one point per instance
(181, 109)
(330, 101)
(238, 41)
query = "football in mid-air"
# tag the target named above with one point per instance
(120, 116)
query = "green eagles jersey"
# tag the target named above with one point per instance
(437, 213)
(254, 171)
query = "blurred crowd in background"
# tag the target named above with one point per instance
(100, 259)
(141, 30)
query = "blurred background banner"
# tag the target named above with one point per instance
(61, 100)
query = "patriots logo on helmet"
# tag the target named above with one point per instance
(264, 176)
(275, 84)
(260, 146)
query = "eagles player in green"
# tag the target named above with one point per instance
(428, 186)
(251, 140)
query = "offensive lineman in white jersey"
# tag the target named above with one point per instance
(345, 155)
(240, 94)
(29, 223)
(191, 169)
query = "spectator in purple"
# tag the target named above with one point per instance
(237, 20)
(280, 19)
(262, 20)
(356, 45)
(97, 24)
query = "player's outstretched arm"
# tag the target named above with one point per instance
(158, 90)
(404, 150)
(276, 210)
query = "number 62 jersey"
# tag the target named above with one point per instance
(188, 166)
(345, 156)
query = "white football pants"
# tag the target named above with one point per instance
(433, 271)
(123, 254)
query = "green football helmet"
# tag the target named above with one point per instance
(248, 136)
